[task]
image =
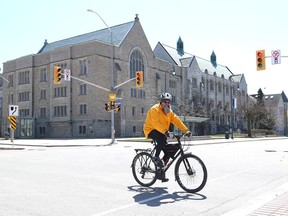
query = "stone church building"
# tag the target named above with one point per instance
(104, 62)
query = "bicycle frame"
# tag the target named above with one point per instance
(180, 152)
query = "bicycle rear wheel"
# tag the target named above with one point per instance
(191, 173)
(144, 169)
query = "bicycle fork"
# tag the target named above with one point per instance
(188, 167)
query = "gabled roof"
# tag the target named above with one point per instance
(171, 55)
(219, 70)
(119, 32)
(272, 100)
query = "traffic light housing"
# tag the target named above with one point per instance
(112, 105)
(117, 108)
(139, 79)
(107, 106)
(260, 60)
(57, 75)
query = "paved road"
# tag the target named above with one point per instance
(59, 177)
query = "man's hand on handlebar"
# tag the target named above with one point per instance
(169, 134)
(188, 134)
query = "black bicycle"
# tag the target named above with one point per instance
(190, 171)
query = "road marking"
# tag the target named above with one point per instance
(231, 174)
(130, 205)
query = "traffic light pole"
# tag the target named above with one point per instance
(232, 106)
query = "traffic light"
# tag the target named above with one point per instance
(112, 105)
(57, 75)
(139, 79)
(260, 60)
(117, 109)
(107, 106)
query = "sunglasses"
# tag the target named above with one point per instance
(166, 102)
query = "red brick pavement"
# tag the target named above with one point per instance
(276, 207)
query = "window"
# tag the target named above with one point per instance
(60, 92)
(24, 112)
(172, 84)
(137, 93)
(219, 105)
(211, 85)
(211, 103)
(23, 78)
(43, 94)
(43, 75)
(43, 112)
(194, 82)
(42, 130)
(136, 63)
(142, 111)
(83, 89)
(60, 111)
(83, 109)
(11, 98)
(82, 129)
(83, 67)
(23, 96)
(133, 111)
(219, 87)
(10, 79)
(134, 129)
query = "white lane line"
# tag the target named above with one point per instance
(231, 174)
(130, 205)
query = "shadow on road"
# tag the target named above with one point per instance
(157, 196)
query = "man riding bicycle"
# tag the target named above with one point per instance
(157, 124)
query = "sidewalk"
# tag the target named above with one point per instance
(276, 207)
(22, 143)
(271, 203)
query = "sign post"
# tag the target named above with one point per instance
(13, 113)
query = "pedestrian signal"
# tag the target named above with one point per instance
(139, 79)
(260, 60)
(57, 75)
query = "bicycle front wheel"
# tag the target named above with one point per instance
(144, 169)
(191, 173)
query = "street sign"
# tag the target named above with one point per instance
(112, 97)
(13, 122)
(276, 57)
(67, 75)
(13, 110)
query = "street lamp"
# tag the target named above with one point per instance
(172, 72)
(112, 74)
(232, 104)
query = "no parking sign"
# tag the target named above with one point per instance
(276, 57)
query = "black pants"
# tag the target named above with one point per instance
(161, 140)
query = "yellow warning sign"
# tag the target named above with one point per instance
(112, 97)
(13, 122)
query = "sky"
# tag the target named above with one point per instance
(233, 29)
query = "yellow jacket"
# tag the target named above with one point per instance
(158, 120)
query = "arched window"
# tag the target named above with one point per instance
(136, 63)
